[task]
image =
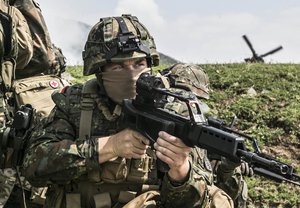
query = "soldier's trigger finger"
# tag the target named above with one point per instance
(140, 137)
(243, 168)
(138, 144)
(246, 169)
(251, 172)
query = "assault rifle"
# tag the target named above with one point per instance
(147, 115)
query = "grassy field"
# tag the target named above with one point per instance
(266, 100)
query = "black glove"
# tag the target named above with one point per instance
(228, 166)
(246, 170)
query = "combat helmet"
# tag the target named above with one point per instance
(189, 77)
(115, 39)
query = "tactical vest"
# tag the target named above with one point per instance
(115, 182)
(28, 54)
(17, 61)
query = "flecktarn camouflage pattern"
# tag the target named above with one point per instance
(95, 54)
(7, 182)
(229, 177)
(43, 59)
(189, 77)
(81, 172)
(31, 53)
(61, 157)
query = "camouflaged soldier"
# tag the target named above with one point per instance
(189, 77)
(15, 49)
(29, 60)
(228, 175)
(29, 63)
(81, 154)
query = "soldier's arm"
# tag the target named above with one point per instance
(192, 192)
(54, 154)
(230, 179)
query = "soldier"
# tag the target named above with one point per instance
(88, 161)
(228, 175)
(190, 77)
(30, 70)
(15, 49)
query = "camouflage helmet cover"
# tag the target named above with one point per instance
(115, 39)
(191, 77)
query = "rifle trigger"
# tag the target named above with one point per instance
(148, 137)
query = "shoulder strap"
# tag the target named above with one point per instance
(89, 93)
(8, 44)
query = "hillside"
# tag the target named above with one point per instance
(266, 100)
(166, 60)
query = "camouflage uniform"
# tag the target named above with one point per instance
(26, 51)
(7, 181)
(44, 60)
(66, 160)
(228, 177)
(60, 141)
(193, 78)
(16, 46)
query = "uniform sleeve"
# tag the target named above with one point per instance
(230, 179)
(192, 193)
(54, 155)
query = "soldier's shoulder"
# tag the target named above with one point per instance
(70, 98)
(67, 97)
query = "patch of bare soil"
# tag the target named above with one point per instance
(288, 151)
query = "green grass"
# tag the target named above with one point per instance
(77, 73)
(272, 116)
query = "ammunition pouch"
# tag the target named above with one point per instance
(103, 195)
(121, 170)
(115, 171)
(37, 91)
(117, 182)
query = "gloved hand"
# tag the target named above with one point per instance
(227, 166)
(246, 170)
